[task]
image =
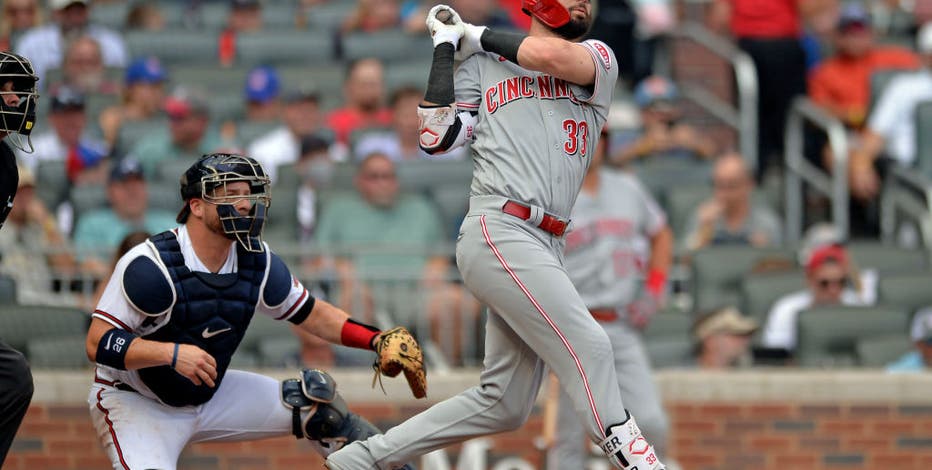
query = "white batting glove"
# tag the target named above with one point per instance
(450, 31)
(471, 42)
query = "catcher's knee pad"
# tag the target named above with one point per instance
(626, 447)
(319, 412)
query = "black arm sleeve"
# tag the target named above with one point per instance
(440, 81)
(505, 44)
(9, 180)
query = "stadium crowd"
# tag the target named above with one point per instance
(323, 93)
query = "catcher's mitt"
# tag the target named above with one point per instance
(398, 351)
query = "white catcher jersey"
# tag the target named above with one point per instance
(535, 132)
(616, 224)
(115, 309)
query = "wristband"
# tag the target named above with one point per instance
(175, 356)
(655, 282)
(358, 335)
(112, 347)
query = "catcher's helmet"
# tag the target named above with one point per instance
(18, 116)
(550, 12)
(212, 172)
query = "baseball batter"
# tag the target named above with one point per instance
(620, 238)
(173, 314)
(534, 106)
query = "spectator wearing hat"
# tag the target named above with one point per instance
(919, 359)
(282, 146)
(723, 339)
(400, 142)
(142, 98)
(262, 92)
(890, 133)
(83, 69)
(100, 231)
(45, 45)
(731, 215)
(29, 235)
(662, 133)
(829, 281)
(841, 84)
(68, 142)
(245, 16)
(187, 136)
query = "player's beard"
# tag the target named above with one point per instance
(575, 29)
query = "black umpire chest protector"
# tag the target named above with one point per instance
(211, 311)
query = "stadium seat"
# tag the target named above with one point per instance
(7, 290)
(131, 132)
(660, 174)
(924, 139)
(227, 106)
(910, 291)
(262, 327)
(717, 272)
(389, 46)
(669, 323)
(248, 131)
(420, 175)
(21, 323)
(886, 258)
(165, 195)
(452, 201)
(67, 352)
(174, 46)
(87, 198)
(51, 182)
(280, 352)
(169, 172)
(282, 224)
(283, 47)
(219, 80)
(882, 350)
(408, 73)
(760, 291)
(680, 202)
(668, 351)
(110, 14)
(329, 15)
(827, 336)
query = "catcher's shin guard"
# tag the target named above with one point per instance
(626, 447)
(320, 415)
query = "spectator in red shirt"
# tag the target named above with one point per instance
(841, 84)
(364, 95)
(769, 31)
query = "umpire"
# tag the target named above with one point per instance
(17, 118)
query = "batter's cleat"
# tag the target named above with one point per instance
(627, 449)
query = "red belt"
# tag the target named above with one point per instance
(604, 314)
(549, 223)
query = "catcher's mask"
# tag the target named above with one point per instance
(18, 79)
(207, 180)
(550, 12)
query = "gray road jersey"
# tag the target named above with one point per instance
(613, 225)
(535, 132)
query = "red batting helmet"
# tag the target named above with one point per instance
(549, 12)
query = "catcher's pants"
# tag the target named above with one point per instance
(141, 433)
(638, 391)
(536, 318)
(15, 393)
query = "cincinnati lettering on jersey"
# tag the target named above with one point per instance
(588, 233)
(512, 89)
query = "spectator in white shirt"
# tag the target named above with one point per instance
(282, 146)
(45, 45)
(829, 279)
(891, 128)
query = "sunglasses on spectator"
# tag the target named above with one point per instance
(377, 175)
(825, 283)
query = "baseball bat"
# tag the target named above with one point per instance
(551, 406)
(444, 16)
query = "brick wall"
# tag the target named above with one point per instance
(707, 435)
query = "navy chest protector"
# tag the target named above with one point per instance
(211, 311)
